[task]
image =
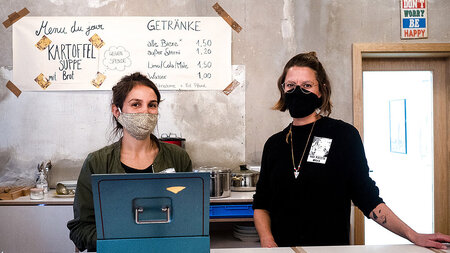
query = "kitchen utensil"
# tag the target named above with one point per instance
(61, 189)
(66, 187)
(220, 181)
(47, 168)
(40, 167)
(244, 180)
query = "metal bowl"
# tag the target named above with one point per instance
(66, 187)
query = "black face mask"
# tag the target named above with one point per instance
(300, 104)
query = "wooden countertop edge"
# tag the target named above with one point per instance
(50, 200)
(35, 203)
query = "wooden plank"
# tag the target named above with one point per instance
(9, 193)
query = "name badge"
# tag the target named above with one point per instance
(320, 148)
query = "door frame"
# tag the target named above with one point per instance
(416, 50)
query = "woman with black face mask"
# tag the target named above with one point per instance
(313, 169)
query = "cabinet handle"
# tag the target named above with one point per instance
(141, 210)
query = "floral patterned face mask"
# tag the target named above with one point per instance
(138, 125)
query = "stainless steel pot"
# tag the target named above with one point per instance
(220, 181)
(244, 180)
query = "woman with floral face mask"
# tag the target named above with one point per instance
(135, 111)
(313, 169)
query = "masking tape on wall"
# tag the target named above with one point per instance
(231, 87)
(13, 88)
(14, 17)
(227, 17)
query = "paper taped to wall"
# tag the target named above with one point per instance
(176, 53)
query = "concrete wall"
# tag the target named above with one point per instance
(66, 126)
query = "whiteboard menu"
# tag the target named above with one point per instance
(93, 53)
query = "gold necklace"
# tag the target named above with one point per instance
(297, 170)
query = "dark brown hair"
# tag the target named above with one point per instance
(123, 87)
(311, 61)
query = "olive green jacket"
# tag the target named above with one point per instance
(107, 161)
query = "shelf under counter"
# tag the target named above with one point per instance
(236, 198)
(230, 219)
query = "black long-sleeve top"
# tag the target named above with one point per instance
(314, 209)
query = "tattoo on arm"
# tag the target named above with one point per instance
(375, 217)
(382, 217)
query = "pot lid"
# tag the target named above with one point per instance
(244, 172)
(171, 137)
(72, 183)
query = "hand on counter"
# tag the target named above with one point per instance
(268, 243)
(436, 240)
(384, 216)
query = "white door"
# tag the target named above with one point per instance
(399, 156)
(398, 139)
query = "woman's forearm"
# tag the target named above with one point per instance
(262, 223)
(384, 216)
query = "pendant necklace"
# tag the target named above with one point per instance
(297, 170)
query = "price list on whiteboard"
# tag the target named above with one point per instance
(93, 53)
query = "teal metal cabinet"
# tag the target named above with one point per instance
(152, 212)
